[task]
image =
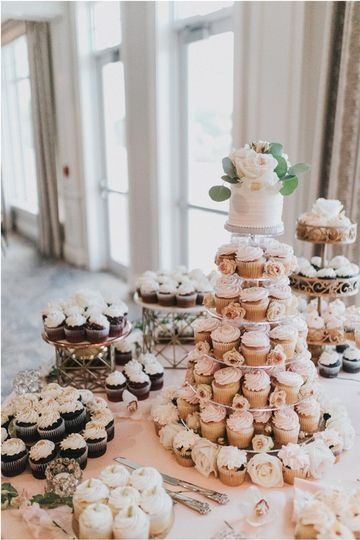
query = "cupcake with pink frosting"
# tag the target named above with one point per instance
(255, 301)
(255, 346)
(286, 336)
(286, 426)
(240, 429)
(204, 370)
(261, 420)
(256, 388)
(305, 368)
(295, 462)
(226, 384)
(225, 294)
(309, 414)
(212, 422)
(203, 328)
(250, 262)
(187, 401)
(225, 338)
(291, 383)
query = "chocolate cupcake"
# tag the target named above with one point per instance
(96, 440)
(74, 447)
(155, 370)
(40, 456)
(351, 360)
(14, 457)
(75, 328)
(329, 364)
(7, 414)
(138, 381)
(74, 415)
(69, 394)
(186, 295)
(123, 352)
(166, 295)
(51, 426)
(97, 328)
(106, 419)
(148, 291)
(115, 385)
(54, 325)
(26, 425)
(117, 319)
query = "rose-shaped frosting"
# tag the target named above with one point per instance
(257, 381)
(75, 320)
(253, 294)
(188, 394)
(239, 420)
(74, 441)
(41, 450)
(295, 457)
(227, 375)
(233, 358)
(332, 439)
(121, 498)
(289, 378)
(204, 455)
(205, 325)
(229, 290)
(274, 269)
(116, 378)
(286, 419)
(114, 476)
(255, 339)
(261, 417)
(165, 414)
(131, 521)
(283, 332)
(145, 478)
(277, 398)
(232, 458)
(275, 311)
(308, 407)
(249, 253)
(12, 447)
(206, 366)
(186, 288)
(94, 432)
(344, 428)
(185, 439)
(54, 319)
(27, 416)
(315, 321)
(328, 358)
(321, 458)
(227, 266)
(265, 470)
(213, 413)
(261, 443)
(167, 434)
(276, 357)
(318, 515)
(233, 311)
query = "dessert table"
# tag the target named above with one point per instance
(136, 440)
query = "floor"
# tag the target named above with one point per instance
(28, 282)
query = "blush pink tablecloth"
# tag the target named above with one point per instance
(136, 440)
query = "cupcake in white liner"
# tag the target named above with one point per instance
(114, 476)
(213, 422)
(96, 521)
(240, 428)
(183, 444)
(115, 384)
(74, 447)
(295, 461)
(74, 415)
(162, 414)
(40, 456)
(121, 498)
(203, 328)
(286, 336)
(305, 368)
(97, 328)
(26, 425)
(96, 439)
(54, 325)
(308, 411)
(286, 426)
(158, 505)
(231, 464)
(255, 301)
(115, 314)
(14, 457)
(255, 346)
(145, 478)
(131, 523)
(105, 418)
(204, 370)
(226, 384)
(89, 492)
(75, 328)
(256, 388)
(291, 383)
(187, 401)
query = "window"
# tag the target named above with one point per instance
(205, 136)
(112, 136)
(19, 167)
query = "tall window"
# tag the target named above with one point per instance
(205, 41)
(106, 32)
(19, 170)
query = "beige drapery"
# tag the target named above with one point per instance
(43, 109)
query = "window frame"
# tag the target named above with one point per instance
(190, 30)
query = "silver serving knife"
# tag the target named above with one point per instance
(220, 498)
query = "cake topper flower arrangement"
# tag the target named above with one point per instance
(260, 165)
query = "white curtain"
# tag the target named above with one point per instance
(43, 107)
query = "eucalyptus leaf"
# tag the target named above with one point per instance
(8, 489)
(289, 184)
(299, 168)
(229, 167)
(219, 193)
(51, 500)
(275, 149)
(227, 178)
(282, 166)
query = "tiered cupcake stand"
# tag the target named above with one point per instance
(85, 364)
(325, 288)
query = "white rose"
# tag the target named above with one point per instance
(321, 458)
(204, 455)
(266, 470)
(261, 443)
(327, 208)
(256, 170)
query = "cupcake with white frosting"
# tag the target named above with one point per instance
(96, 521)
(51, 426)
(167, 434)
(203, 328)
(291, 383)
(186, 295)
(74, 447)
(225, 338)
(162, 414)
(308, 411)
(14, 457)
(261, 420)
(316, 325)
(115, 384)
(138, 382)
(26, 424)
(231, 464)
(123, 351)
(204, 370)
(121, 498)
(74, 415)
(54, 325)
(286, 426)
(225, 294)
(286, 336)
(89, 492)
(240, 428)
(97, 328)
(213, 422)
(166, 295)
(226, 252)
(40, 456)
(250, 261)
(131, 522)
(75, 328)
(255, 346)
(226, 384)
(116, 317)
(183, 444)
(105, 418)
(145, 478)
(255, 301)
(314, 518)
(115, 476)
(148, 291)
(96, 440)
(256, 388)
(187, 401)
(295, 462)
(329, 364)
(157, 504)
(155, 370)
(51, 390)
(351, 360)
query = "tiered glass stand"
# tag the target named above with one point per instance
(85, 364)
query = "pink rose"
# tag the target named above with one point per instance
(274, 269)
(227, 266)
(233, 311)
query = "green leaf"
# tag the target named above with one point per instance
(8, 489)
(51, 500)
(276, 149)
(299, 168)
(282, 166)
(227, 178)
(290, 183)
(229, 167)
(219, 193)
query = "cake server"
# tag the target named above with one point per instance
(220, 498)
